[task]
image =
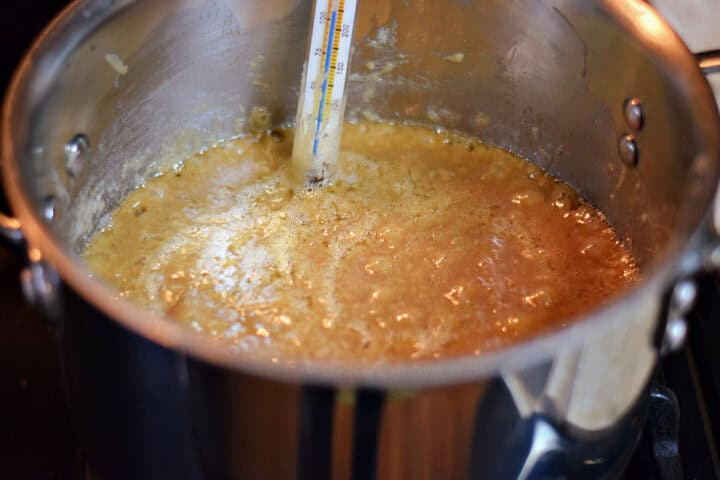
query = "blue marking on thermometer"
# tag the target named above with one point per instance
(321, 106)
(326, 71)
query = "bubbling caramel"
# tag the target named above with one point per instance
(428, 245)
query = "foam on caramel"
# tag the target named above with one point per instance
(427, 245)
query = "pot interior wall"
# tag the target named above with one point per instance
(545, 79)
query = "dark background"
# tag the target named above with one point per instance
(35, 433)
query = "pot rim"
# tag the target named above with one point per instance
(415, 374)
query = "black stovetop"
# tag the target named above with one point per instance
(36, 433)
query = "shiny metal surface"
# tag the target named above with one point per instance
(41, 288)
(48, 209)
(167, 80)
(76, 151)
(709, 61)
(10, 234)
(682, 300)
(628, 150)
(546, 79)
(634, 115)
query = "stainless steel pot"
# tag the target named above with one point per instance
(601, 93)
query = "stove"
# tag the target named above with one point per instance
(680, 436)
(37, 440)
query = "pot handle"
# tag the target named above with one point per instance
(39, 282)
(681, 296)
(709, 61)
(11, 237)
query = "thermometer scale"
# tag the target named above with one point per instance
(322, 102)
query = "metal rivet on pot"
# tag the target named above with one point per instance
(48, 208)
(683, 297)
(675, 333)
(682, 301)
(628, 150)
(633, 113)
(75, 151)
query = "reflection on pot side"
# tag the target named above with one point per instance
(429, 245)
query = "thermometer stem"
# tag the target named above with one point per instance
(321, 106)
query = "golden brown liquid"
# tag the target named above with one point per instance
(429, 245)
